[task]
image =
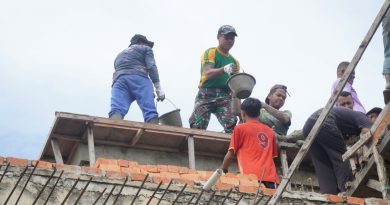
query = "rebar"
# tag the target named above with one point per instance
(200, 195)
(82, 191)
(139, 189)
(44, 186)
(155, 191)
(109, 194)
(178, 195)
(25, 185)
(242, 195)
(17, 182)
(100, 195)
(120, 190)
(54, 186)
(227, 195)
(6, 168)
(211, 197)
(190, 200)
(165, 191)
(70, 191)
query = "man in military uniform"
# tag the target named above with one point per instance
(217, 64)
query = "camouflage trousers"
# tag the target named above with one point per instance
(216, 101)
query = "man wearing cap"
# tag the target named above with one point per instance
(133, 79)
(217, 64)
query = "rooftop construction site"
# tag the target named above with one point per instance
(341, 155)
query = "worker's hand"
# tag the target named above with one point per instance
(160, 93)
(230, 68)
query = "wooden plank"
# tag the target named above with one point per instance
(138, 146)
(376, 131)
(381, 170)
(91, 146)
(374, 184)
(284, 162)
(362, 174)
(137, 136)
(313, 133)
(56, 151)
(191, 152)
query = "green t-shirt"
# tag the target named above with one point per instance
(278, 127)
(214, 57)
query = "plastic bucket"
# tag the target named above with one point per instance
(241, 84)
(172, 118)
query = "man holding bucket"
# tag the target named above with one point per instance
(217, 64)
(134, 77)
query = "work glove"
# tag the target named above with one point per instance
(160, 93)
(230, 68)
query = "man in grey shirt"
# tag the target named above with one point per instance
(135, 74)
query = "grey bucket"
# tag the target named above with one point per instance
(241, 84)
(172, 118)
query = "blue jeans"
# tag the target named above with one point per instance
(128, 88)
(386, 42)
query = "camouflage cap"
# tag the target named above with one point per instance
(226, 29)
(141, 38)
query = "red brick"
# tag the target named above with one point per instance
(92, 170)
(68, 168)
(17, 161)
(335, 198)
(268, 192)
(115, 175)
(109, 167)
(131, 170)
(355, 201)
(132, 163)
(172, 168)
(123, 163)
(193, 177)
(192, 171)
(185, 181)
(230, 180)
(100, 161)
(137, 176)
(246, 182)
(250, 177)
(204, 175)
(157, 178)
(162, 168)
(42, 164)
(247, 189)
(223, 186)
(184, 170)
(170, 175)
(151, 169)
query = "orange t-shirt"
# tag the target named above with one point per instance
(254, 144)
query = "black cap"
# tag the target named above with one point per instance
(226, 29)
(375, 110)
(141, 38)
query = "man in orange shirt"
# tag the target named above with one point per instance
(254, 144)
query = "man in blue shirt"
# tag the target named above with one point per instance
(135, 74)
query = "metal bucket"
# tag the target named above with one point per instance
(241, 84)
(172, 118)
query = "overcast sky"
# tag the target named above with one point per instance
(58, 55)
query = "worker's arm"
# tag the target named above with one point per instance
(211, 73)
(281, 116)
(227, 160)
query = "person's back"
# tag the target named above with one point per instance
(256, 148)
(254, 144)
